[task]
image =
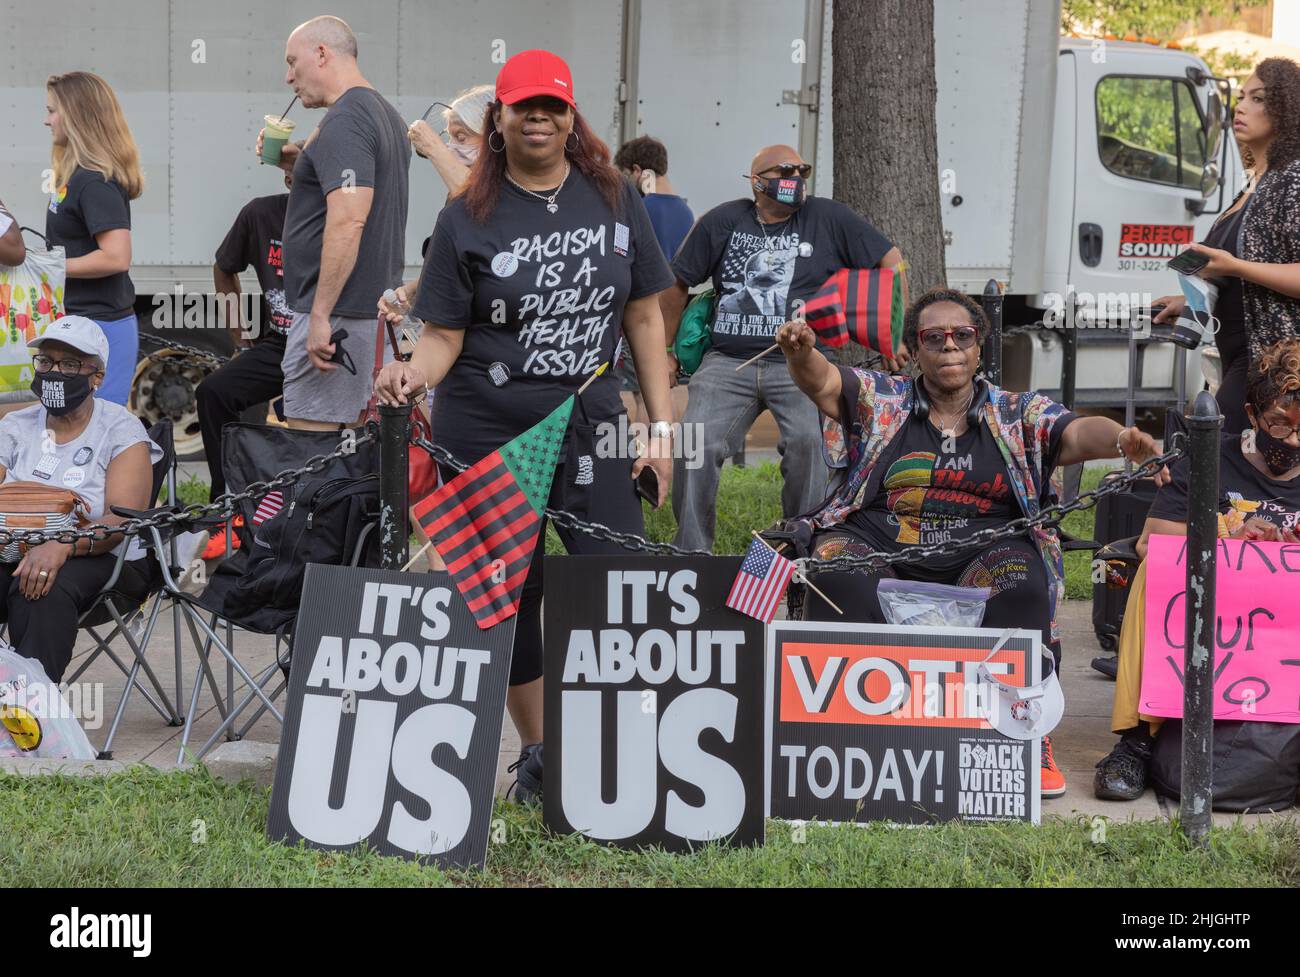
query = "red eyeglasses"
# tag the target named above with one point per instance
(935, 338)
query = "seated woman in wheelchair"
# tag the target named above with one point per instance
(1259, 498)
(938, 458)
(70, 440)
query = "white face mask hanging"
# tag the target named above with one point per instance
(1021, 713)
(1199, 316)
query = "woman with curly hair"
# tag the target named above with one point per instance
(1259, 499)
(1254, 247)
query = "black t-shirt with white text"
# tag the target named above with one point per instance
(758, 270)
(541, 297)
(255, 239)
(85, 206)
(1244, 491)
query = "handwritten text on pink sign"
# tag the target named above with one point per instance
(1256, 635)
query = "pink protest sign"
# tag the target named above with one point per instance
(1257, 635)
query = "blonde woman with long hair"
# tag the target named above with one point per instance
(96, 176)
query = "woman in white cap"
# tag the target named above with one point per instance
(98, 449)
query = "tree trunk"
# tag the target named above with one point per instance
(886, 156)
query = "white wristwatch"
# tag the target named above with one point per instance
(661, 429)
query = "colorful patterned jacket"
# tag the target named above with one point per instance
(1021, 424)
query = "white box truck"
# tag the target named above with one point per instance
(1063, 162)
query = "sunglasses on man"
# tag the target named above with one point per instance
(785, 170)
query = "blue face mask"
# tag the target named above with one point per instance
(1201, 296)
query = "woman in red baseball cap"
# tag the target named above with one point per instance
(536, 267)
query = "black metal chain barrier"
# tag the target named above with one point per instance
(1049, 517)
(206, 357)
(182, 516)
(629, 541)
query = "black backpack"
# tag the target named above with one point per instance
(322, 520)
(1255, 766)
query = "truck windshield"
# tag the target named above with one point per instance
(1150, 129)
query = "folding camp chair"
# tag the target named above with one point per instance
(125, 607)
(251, 453)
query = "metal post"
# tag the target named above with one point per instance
(1069, 352)
(1203, 426)
(394, 435)
(993, 347)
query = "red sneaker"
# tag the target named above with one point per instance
(1053, 781)
(216, 545)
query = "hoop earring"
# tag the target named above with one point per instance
(574, 134)
(496, 132)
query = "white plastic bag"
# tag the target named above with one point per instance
(932, 605)
(35, 719)
(31, 297)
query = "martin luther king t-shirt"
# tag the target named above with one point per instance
(540, 296)
(759, 270)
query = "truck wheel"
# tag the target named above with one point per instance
(164, 386)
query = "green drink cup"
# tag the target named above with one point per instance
(274, 137)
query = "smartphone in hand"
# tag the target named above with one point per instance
(647, 485)
(1188, 262)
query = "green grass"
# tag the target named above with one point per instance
(147, 828)
(192, 491)
(1078, 565)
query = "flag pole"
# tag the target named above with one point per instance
(802, 576)
(411, 562)
(599, 370)
(758, 356)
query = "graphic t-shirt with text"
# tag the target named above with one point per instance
(759, 270)
(540, 296)
(255, 239)
(935, 489)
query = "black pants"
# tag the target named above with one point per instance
(1012, 569)
(600, 490)
(46, 628)
(252, 377)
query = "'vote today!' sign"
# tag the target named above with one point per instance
(393, 723)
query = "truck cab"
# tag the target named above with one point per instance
(1141, 165)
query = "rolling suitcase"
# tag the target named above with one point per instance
(1118, 524)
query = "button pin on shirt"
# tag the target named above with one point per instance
(499, 374)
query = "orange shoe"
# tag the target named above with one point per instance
(1053, 781)
(216, 545)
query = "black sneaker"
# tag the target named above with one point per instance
(1108, 665)
(528, 775)
(1122, 773)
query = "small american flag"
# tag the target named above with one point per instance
(762, 580)
(270, 505)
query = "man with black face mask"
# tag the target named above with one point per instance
(765, 254)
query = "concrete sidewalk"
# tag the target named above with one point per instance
(1080, 741)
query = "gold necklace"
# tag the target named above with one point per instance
(950, 430)
(551, 205)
